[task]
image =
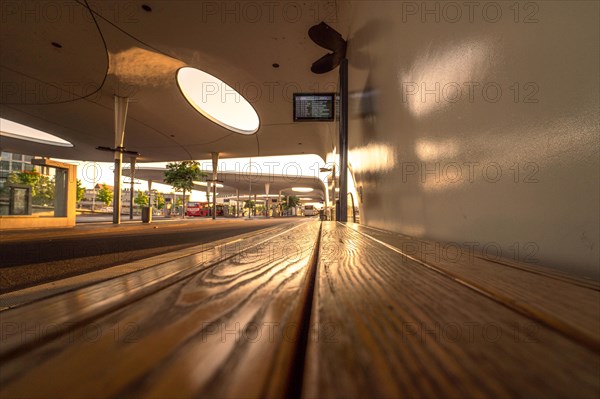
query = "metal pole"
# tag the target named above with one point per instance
(208, 196)
(335, 204)
(279, 207)
(121, 104)
(215, 165)
(131, 176)
(343, 213)
(94, 197)
(150, 204)
(267, 199)
(250, 191)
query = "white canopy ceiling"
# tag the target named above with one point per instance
(60, 69)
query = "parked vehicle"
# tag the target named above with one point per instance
(197, 209)
(309, 210)
(202, 209)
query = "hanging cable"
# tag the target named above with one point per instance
(86, 5)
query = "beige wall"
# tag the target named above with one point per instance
(541, 133)
(39, 221)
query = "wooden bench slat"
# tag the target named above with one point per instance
(178, 344)
(388, 327)
(31, 323)
(563, 303)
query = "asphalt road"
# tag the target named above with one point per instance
(39, 256)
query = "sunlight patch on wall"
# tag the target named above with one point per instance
(441, 77)
(372, 158)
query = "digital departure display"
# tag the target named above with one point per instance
(314, 107)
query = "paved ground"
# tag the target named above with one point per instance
(32, 257)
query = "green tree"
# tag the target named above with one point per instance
(105, 194)
(291, 201)
(29, 178)
(80, 191)
(45, 191)
(42, 186)
(159, 201)
(181, 175)
(141, 199)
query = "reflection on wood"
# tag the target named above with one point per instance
(386, 326)
(237, 320)
(570, 305)
(311, 310)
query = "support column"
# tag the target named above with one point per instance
(334, 203)
(344, 141)
(150, 193)
(215, 165)
(267, 203)
(132, 177)
(208, 194)
(237, 203)
(249, 207)
(254, 205)
(61, 182)
(279, 207)
(121, 104)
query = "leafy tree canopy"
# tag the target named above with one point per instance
(159, 201)
(105, 194)
(80, 191)
(181, 175)
(141, 199)
(291, 201)
(42, 186)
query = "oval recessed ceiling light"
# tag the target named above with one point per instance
(302, 189)
(217, 101)
(17, 131)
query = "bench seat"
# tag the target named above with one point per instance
(313, 310)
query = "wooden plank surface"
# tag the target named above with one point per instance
(565, 303)
(32, 323)
(238, 320)
(386, 326)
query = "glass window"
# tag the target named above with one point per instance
(17, 157)
(5, 155)
(16, 166)
(27, 158)
(4, 165)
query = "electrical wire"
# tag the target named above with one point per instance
(86, 5)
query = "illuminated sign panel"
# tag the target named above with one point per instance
(316, 107)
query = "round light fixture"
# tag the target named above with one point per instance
(302, 189)
(217, 101)
(18, 131)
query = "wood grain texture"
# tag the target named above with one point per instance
(33, 322)
(568, 304)
(236, 320)
(386, 326)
